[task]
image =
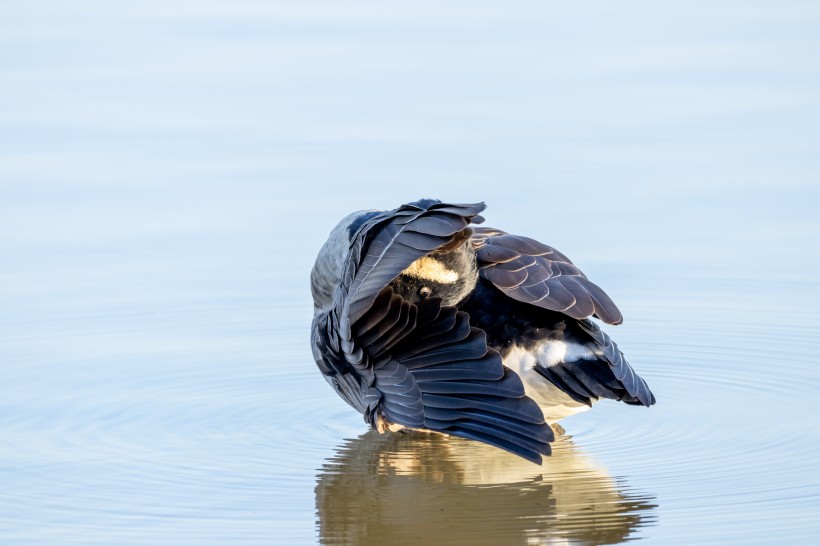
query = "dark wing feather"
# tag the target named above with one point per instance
(607, 375)
(626, 378)
(420, 365)
(534, 273)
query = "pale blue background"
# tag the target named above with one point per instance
(169, 169)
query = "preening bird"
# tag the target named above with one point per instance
(424, 321)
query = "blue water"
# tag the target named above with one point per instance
(168, 171)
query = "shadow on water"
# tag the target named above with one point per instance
(430, 489)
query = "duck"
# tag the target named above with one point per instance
(424, 320)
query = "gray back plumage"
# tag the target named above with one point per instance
(327, 270)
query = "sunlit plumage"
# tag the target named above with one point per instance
(423, 321)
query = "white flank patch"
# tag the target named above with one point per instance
(431, 270)
(553, 402)
(554, 353)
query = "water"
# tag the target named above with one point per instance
(168, 171)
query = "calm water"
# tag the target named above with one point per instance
(168, 171)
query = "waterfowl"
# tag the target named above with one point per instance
(424, 321)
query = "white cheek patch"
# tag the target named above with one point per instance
(432, 270)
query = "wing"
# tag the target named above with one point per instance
(607, 374)
(534, 273)
(420, 365)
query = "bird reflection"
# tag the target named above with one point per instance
(418, 488)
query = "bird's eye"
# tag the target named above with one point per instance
(425, 292)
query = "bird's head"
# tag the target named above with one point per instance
(449, 273)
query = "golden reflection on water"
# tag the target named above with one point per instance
(430, 489)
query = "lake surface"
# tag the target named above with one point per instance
(168, 171)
